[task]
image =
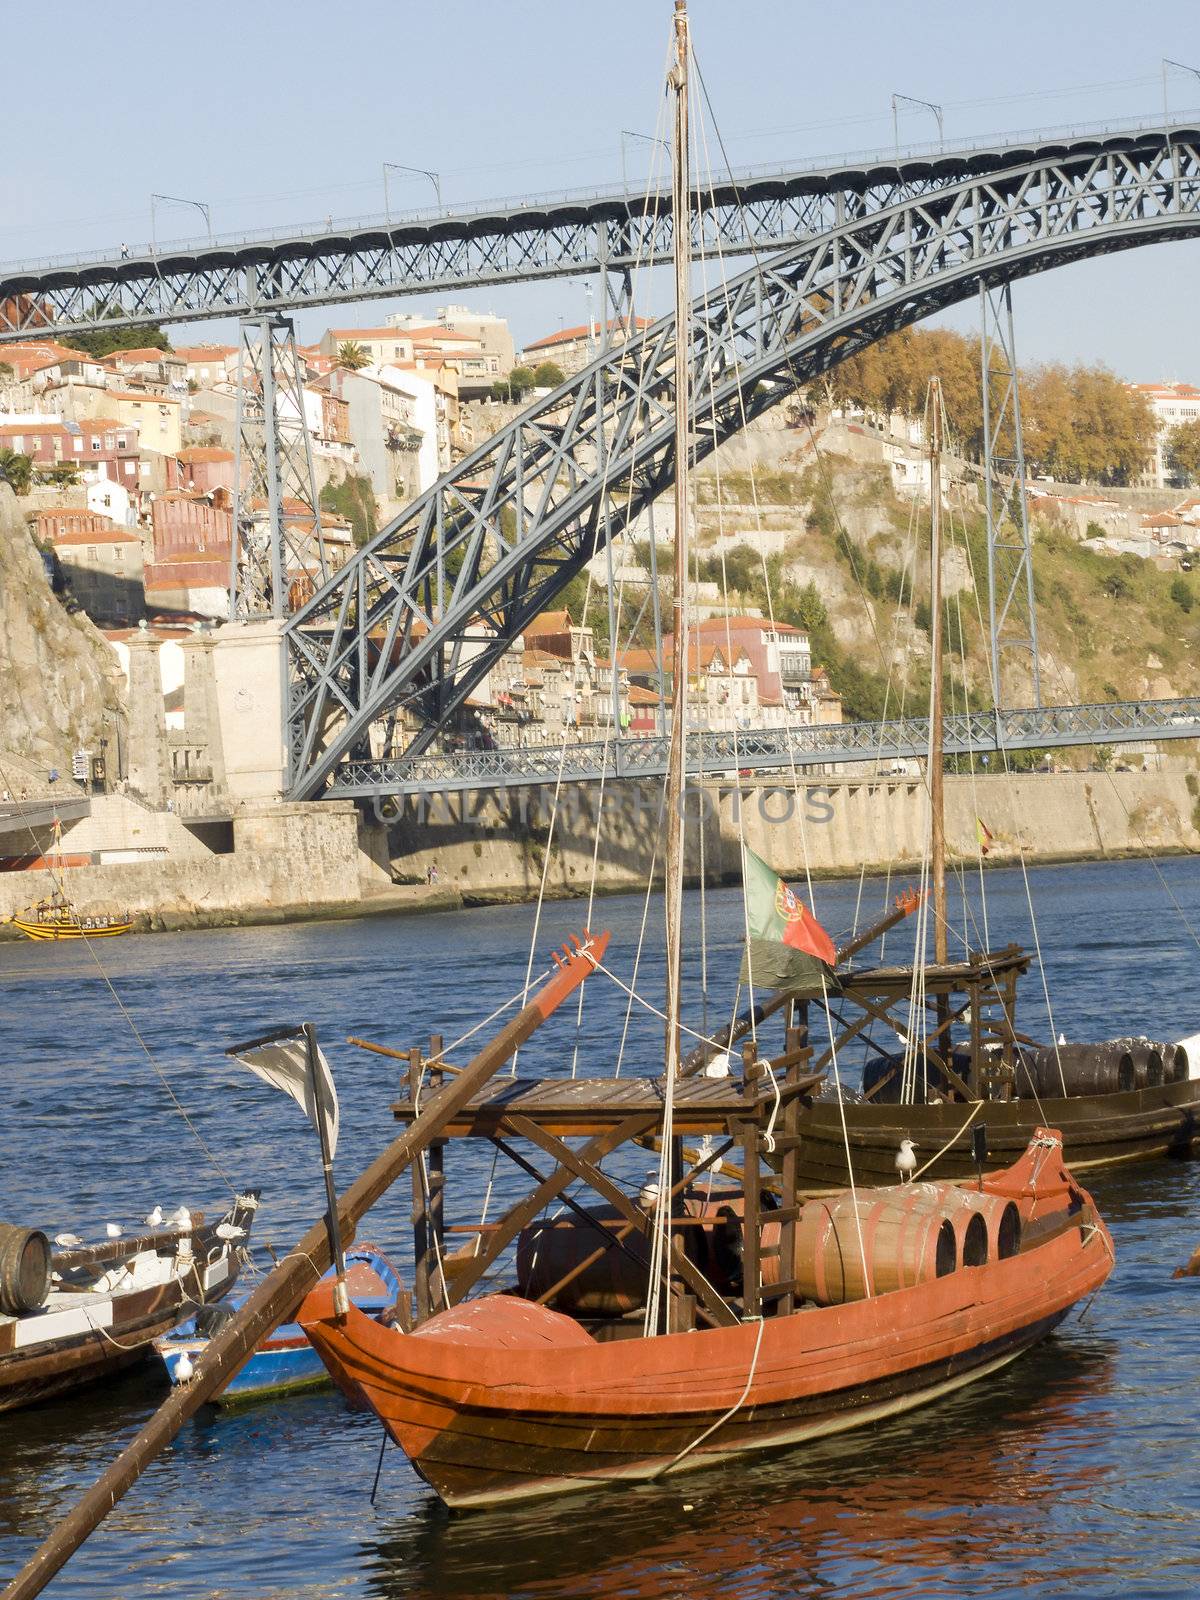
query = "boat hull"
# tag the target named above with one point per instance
(48, 930)
(543, 1409)
(80, 1337)
(1099, 1131)
(285, 1362)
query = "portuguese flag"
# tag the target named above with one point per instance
(788, 949)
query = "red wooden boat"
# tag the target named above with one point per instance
(502, 1398)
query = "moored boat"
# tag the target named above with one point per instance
(98, 1308)
(56, 918)
(285, 1362)
(503, 1398)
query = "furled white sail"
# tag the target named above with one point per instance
(284, 1064)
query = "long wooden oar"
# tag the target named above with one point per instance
(281, 1291)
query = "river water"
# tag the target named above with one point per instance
(1074, 1472)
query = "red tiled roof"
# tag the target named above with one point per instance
(572, 335)
(144, 399)
(548, 622)
(146, 353)
(111, 535)
(203, 452)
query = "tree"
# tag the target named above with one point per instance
(547, 376)
(105, 340)
(6, 371)
(353, 356)
(16, 470)
(520, 381)
(1181, 593)
(1183, 450)
(1115, 587)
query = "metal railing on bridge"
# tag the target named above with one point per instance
(751, 751)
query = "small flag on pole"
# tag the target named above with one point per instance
(984, 835)
(788, 947)
(281, 1059)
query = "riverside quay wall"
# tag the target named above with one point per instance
(286, 862)
(501, 845)
(279, 863)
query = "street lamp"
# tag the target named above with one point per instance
(1180, 66)
(927, 105)
(648, 138)
(421, 172)
(174, 200)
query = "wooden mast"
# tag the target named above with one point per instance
(676, 762)
(937, 803)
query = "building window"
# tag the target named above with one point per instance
(95, 446)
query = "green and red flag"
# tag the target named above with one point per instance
(788, 948)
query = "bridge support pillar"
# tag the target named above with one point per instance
(249, 668)
(147, 740)
(279, 556)
(1011, 611)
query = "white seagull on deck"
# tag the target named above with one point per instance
(155, 1217)
(906, 1160)
(114, 1230)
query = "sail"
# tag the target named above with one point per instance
(283, 1063)
(787, 947)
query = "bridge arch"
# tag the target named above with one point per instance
(398, 629)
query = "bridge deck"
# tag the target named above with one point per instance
(773, 749)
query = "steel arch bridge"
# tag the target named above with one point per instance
(510, 242)
(492, 543)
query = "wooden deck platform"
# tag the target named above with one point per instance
(566, 1106)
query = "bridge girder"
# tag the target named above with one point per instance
(568, 235)
(419, 615)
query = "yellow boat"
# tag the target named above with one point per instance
(55, 919)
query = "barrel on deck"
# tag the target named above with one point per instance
(1078, 1069)
(986, 1226)
(886, 1239)
(607, 1287)
(1147, 1062)
(24, 1269)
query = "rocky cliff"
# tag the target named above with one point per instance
(60, 684)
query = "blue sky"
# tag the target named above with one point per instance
(276, 113)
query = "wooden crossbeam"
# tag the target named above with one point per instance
(608, 1190)
(523, 1213)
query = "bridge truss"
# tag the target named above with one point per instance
(714, 755)
(567, 235)
(417, 618)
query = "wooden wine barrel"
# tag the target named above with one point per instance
(1175, 1063)
(986, 1226)
(608, 1287)
(1106, 1068)
(24, 1269)
(904, 1237)
(1147, 1062)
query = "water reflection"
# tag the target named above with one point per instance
(1075, 1471)
(880, 1513)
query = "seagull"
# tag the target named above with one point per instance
(906, 1160)
(69, 1241)
(182, 1217)
(228, 1230)
(114, 1230)
(155, 1217)
(183, 1367)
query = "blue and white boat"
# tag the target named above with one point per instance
(285, 1362)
